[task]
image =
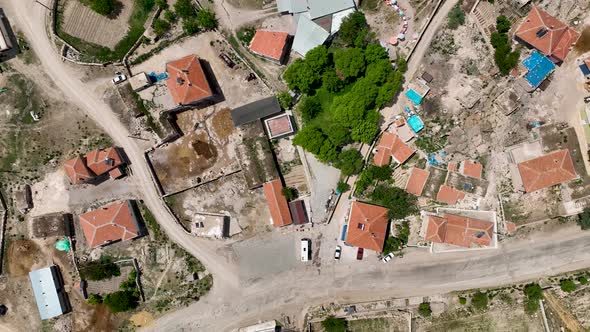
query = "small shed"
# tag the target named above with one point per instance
(298, 212)
(23, 199)
(279, 126)
(427, 77)
(140, 81)
(49, 292)
(255, 111)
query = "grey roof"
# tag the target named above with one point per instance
(283, 6)
(48, 292)
(308, 35)
(292, 6)
(255, 111)
(319, 8)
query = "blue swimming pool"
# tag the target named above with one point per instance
(416, 123)
(414, 96)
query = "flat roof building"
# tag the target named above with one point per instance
(49, 292)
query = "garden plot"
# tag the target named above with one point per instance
(82, 22)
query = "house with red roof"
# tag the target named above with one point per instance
(277, 203)
(417, 181)
(547, 170)
(459, 230)
(449, 195)
(471, 168)
(187, 81)
(272, 45)
(390, 146)
(94, 164)
(547, 34)
(367, 226)
(111, 223)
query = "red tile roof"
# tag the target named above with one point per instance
(452, 167)
(449, 195)
(546, 171)
(417, 181)
(556, 41)
(102, 161)
(187, 82)
(472, 168)
(390, 145)
(459, 230)
(367, 226)
(114, 222)
(277, 204)
(77, 171)
(270, 44)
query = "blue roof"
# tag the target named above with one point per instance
(46, 287)
(539, 67)
(414, 96)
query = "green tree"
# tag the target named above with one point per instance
(331, 81)
(424, 309)
(160, 27)
(364, 131)
(207, 19)
(170, 16)
(328, 152)
(333, 324)
(401, 64)
(245, 34)
(366, 92)
(309, 108)
(299, 76)
(386, 94)
(338, 134)
(375, 52)
(342, 187)
(582, 280)
(289, 193)
(479, 301)
(371, 174)
(349, 162)
(190, 25)
(534, 293)
(498, 39)
(121, 301)
(456, 17)
(462, 300)
(378, 72)
(184, 9)
(94, 299)
(310, 138)
(285, 100)
(103, 7)
(398, 201)
(584, 219)
(162, 4)
(99, 270)
(348, 110)
(354, 30)
(318, 58)
(349, 62)
(502, 24)
(567, 285)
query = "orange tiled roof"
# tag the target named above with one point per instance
(270, 44)
(472, 168)
(556, 41)
(449, 195)
(546, 171)
(277, 204)
(417, 181)
(187, 82)
(102, 161)
(459, 230)
(77, 171)
(390, 145)
(114, 222)
(452, 167)
(367, 226)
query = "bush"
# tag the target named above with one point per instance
(354, 30)
(333, 324)
(504, 57)
(371, 174)
(456, 17)
(94, 299)
(309, 108)
(462, 300)
(584, 219)
(350, 162)
(245, 34)
(99, 270)
(184, 9)
(567, 285)
(285, 100)
(582, 280)
(207, 19)
(479, 301)
(121, 301)
(160, 27)
(162, 4)
(103, 7)
(342, 187)
(502, 24)
(398, 201)
(424, 309)
(289, 193)
(190, 26)
(170, 16)
(534, 293)
(396, 243)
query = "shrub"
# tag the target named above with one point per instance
(582, 280)
(190, 26)
(309, 108)
(567, 285)
(289, 193)
(424, 309)
(462, 300)
(207, 19)
(502, 24)
(479, 301)
(342, 187)
(349, 162)
(184, 9)
(170, 16)
(285, 100)
(245, 34)
(103, 7)
(94, 299)
(99, 270)
(584, 219)
(121, 301)
(456, 17)
(534, 293)
(333, 324)
(354, 30)
(160, 27)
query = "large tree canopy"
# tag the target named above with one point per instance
(354, 29)
(318, 58)
(350, 62)
(300, 76)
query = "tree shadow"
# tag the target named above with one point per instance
(117, 10)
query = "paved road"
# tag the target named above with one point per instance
(231, 304)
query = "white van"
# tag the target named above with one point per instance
(305, 245)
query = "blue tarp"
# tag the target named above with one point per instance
(343, 236)
(415, 123)
(539, 68)
(585, 70)
(414, 96)
(158, 77)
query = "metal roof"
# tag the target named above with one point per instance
(292, 6)
(308, 36)
(255, 111)
(319, 8)
(48, 292)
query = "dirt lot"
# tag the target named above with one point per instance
(82, 22)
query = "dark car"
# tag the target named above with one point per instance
(587, 99)
(359, 254)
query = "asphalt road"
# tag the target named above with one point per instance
(233, 303)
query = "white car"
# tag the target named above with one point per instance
(387, 257)
(119, 78)
(338, 253)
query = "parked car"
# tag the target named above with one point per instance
(119, 78)
(587, 99)
(305, 245)
(359, 254)
(338, 252)
(387, 257)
